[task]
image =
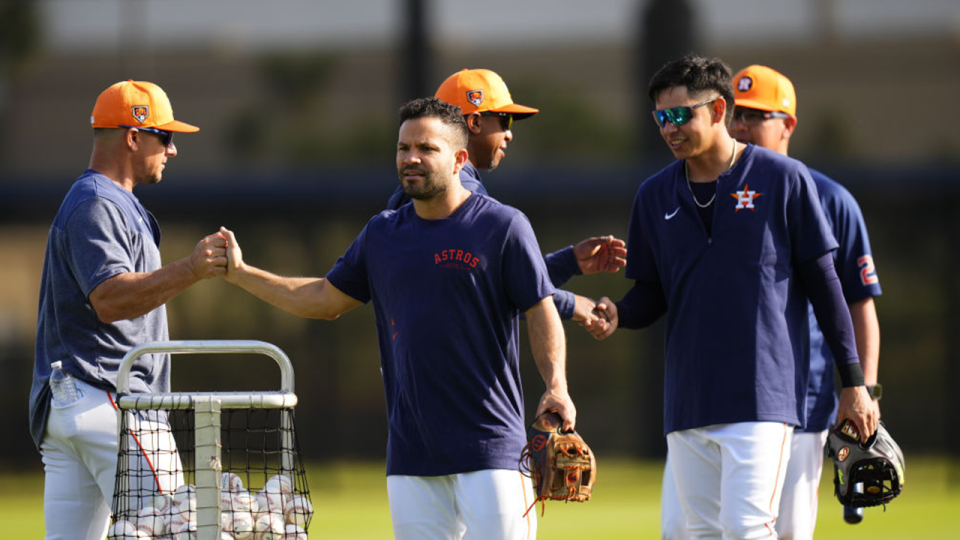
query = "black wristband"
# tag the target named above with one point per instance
(850, 374)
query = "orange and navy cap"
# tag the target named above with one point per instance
(759, 87)
(481, 90)
(138, 104)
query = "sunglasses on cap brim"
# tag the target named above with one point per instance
(166, 136)
(678, 116)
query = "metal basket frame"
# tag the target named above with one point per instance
(207, 407)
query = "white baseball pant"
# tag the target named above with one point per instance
(478, 505)
(798, 506)
(798, 503)
(79, 452)
(729, 478)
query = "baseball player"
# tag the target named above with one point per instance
(102, 293)
(728, 242)
(490, 112)
(765, 115)
(448, 276)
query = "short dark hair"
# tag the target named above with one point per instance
(432, 107)
(699, 75)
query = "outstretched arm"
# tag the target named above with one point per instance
(314, 298)
(601, 254)
(550, 353)
(132, 294)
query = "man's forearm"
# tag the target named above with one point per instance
(548, 344)
(866, 326)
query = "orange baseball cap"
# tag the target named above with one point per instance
(480, 90)
(759, 87)
(137, 104)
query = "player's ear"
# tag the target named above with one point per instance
(473, 122)
(719, 110)
(460, 156)
(789, 124)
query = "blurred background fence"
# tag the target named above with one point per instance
(296, 154)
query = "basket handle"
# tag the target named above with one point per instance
(206, 347)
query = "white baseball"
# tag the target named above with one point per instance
(298, 510)
(241, 525)
(186, 530)
(269, 503)
(150, 520)
(186, 504)
(244, 501)
(175, 521)
(124, 530)
(224, 535)
(279, 483)
(231, 482)
(185, 488)
(294, 532)
(269, 527)
(161, 502)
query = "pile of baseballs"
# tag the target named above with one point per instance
(273, 513)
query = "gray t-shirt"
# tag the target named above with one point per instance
(100, 231)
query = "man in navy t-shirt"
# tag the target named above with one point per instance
(728, 243)
(489, 111)
(103, 292)
(449, 276)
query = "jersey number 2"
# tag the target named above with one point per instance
(868, 273)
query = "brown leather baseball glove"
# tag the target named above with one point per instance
(561, 465)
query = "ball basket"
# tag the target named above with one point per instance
(209, 465)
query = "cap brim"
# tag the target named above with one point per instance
(178, 127)
(519, 112)
(759, 105)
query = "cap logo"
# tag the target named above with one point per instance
(140, 112)
(744, 84)
(475, 97)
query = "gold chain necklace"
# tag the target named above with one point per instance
(687, 176)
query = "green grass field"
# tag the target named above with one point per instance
(351, 504)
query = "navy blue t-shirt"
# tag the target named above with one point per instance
(737, 333)
(447, 294)
(561, 265)
(101, 230)
(858, 277)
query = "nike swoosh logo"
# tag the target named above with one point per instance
(671, 214)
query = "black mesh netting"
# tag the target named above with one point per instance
(263, 486)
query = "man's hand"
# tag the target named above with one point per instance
(606, 321)
(601, 254)
(584, 310)
(559, 400)
(209, 257)
(233, 254)
(855, 404)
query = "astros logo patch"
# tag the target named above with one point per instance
(745, 198)
(475, 97)
(141, 112)
(744, 84)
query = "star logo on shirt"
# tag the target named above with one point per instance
(745, 198)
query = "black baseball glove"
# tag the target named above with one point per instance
(865, 474)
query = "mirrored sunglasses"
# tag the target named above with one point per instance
(678, 116)
(165, 136)
(506, 119)
(754, 117)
